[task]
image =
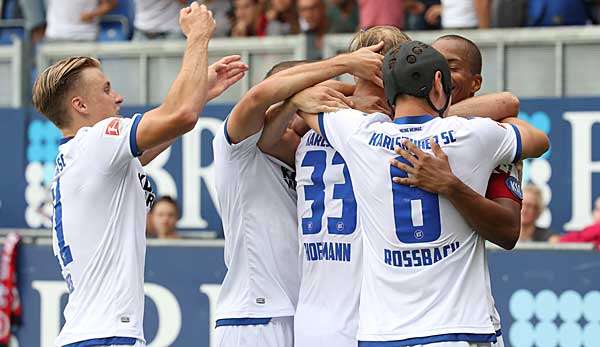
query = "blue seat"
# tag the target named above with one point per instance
(11, 25)
(118, 24)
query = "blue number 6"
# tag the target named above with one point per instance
(416, 212)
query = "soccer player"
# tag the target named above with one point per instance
(322, 270)
(257, 204)
(423, 263)
(498, 219)
(101, 193)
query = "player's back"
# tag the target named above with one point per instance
(425, 278)
(331, 247)
(101, 196)
(257, 204)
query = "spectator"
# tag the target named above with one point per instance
(164, 215)
(343, 16)
(415, 14)
(157, 19)
(221, 13)
(589, 234)
(460, 14)
(313, 22)
(557, 12)
(381, 12)
(248, 19)
(75, 20)
(533, 206)
(282, 18)
(35, 20)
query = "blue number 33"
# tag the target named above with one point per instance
(344, 225)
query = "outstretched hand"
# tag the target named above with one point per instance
(428, 172)
(224, 73)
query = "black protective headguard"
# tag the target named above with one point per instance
(410, 69)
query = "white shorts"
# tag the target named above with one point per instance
(279, 332)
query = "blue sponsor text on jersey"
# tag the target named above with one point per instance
(418, 257)
(332, 251)
(316, 140)
(389, 142)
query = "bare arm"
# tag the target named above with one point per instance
(534, 142)
(178, 113)
(496, 221)
(104, 7)
(482, 8)
(221, 75)
(278, 138)
(496, 106)
(248, 116)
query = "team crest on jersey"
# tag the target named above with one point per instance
(514, 186)
(112, 129)
(289, 176)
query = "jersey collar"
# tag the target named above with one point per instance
(413, 119)
(65, 140)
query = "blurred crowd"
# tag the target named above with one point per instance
(158, 19)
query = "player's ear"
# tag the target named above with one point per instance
(476, 83)
(78, 104)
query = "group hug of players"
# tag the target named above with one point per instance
(353, 213)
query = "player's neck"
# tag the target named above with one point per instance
(412, 107)
(76, 124)
(366, 88)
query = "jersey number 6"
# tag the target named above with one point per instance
(416, 212)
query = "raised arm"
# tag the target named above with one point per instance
(187, 96)
(279, 138)
(496, 106)
(221, 75)
(534, 142)
(248, 116)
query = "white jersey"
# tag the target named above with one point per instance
(425, 278)
(257, 204)
(64, 20)
(101, 196)
(331, 247)
(157, 16)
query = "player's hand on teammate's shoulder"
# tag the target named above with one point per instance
(320, 98)
(371, 104)
(197, 21)
(426, 171)
(366, 63)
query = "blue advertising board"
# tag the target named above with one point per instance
(568, 174)
(545, 297)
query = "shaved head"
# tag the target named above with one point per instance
(471, 53)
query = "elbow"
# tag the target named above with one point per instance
(543, 144)
(185, 119)
(513, 103)
(512, 236)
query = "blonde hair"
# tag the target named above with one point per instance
(535, 190)
(54, 83)
(390, 35)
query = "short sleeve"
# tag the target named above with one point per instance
(222, 144)
(112, 143)
(337, 127)
(499, 142)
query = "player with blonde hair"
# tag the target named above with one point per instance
(101, 193)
